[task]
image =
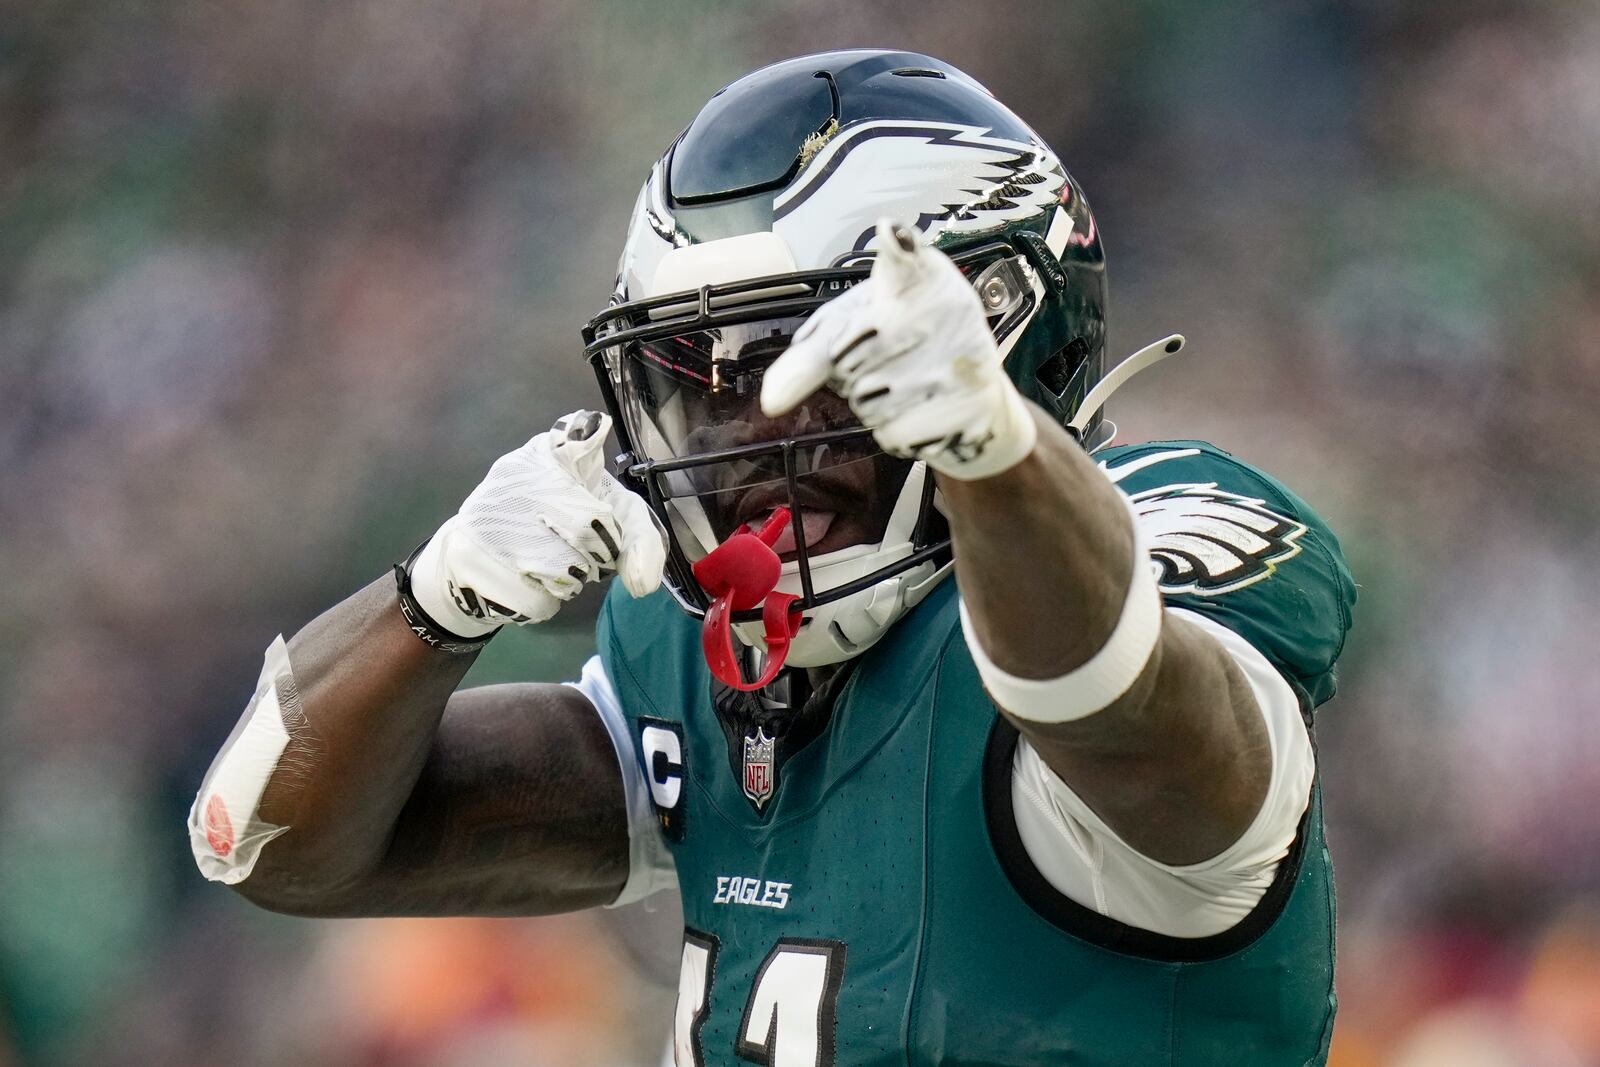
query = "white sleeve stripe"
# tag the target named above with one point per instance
(650, 866)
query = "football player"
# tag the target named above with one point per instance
(967, 734)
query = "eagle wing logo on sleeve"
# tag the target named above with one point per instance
(1208, 541)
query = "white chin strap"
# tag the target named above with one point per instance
(1148, 356)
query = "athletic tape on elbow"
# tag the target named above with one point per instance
(1107, 675)
(225, 832)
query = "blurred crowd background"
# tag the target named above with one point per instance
(279, 280)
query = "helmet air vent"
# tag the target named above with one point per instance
(1057, 372)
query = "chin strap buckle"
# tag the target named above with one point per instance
(739, 574)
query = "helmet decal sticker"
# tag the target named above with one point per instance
(948, 179)
(814, 143)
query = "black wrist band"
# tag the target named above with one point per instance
(421, 623)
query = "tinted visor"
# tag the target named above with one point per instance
(700, 392)
(695, 397)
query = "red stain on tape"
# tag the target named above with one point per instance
(219, 828)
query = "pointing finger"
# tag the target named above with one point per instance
(577, 443)
(901, 257)
(795, 375)
(811, 358)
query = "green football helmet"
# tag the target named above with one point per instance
(758, 213)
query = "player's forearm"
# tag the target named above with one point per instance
(341, 792)
(1043, 552)
(370, 698)
(1177, 761)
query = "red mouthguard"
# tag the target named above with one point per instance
(739, 574)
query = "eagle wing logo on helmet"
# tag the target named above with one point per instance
(1208, 541)
(949, 178)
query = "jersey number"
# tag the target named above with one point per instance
(791, 1016)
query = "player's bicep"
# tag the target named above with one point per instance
(1180, 763)
(1275, 708)
(519, 810)
(1085, 857)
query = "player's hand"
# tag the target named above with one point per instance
(546, 520)
(912, 352)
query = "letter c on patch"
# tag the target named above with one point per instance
(662, 751)
(663, 761)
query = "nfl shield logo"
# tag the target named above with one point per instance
(759, 767)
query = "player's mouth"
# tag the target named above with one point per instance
(815, 525)
(825, 520)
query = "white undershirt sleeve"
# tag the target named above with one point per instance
(650, 866)
(1087, 862)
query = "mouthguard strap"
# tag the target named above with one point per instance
(740, 573)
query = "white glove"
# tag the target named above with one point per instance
(911, 351)
(547, 519)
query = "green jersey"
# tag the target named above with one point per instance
(855, 891)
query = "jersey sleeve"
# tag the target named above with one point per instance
(650, 866)
(1085, 860)
(1249, 562)
(1237, 547)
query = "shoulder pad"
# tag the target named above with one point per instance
(1235, 545)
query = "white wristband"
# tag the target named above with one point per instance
(1096, 684)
